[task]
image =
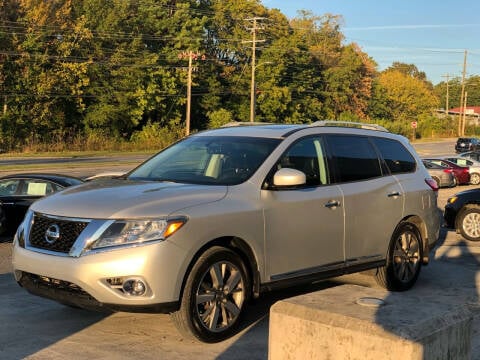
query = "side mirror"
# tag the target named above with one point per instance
(289, 177)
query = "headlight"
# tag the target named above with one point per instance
(127, 232)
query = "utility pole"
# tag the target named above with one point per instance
(447, 76)
(254, 41)
(461, 126)
(464, 113)
(191, 56)
(189, 96)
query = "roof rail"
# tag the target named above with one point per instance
(244, 123)
(351, 124)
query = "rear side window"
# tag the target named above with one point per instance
(354, 158)
(397, 157)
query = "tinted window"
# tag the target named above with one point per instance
(397, 157)
(308, 156)
(9, 187)
(354, 158)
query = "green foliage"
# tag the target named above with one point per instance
(157, 136)
(77, 74)
(218, 118)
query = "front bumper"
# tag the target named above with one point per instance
(449, 216)
(87, 281)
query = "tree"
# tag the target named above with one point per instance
(406, 96)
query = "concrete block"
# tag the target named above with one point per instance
(334, 324)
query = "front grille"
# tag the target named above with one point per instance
(69, 232)
(59, 285)
(62, 291)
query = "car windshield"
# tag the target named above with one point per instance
(209, 160)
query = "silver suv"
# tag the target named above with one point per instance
(223, 215)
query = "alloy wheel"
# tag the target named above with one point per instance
(406, 256)
(471, 224)
(220, 296)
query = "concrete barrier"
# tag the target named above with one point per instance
(355, 322)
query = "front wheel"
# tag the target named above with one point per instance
(469, 223)
(403, 261)
(214, 296)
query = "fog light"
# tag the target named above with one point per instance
(134, 287)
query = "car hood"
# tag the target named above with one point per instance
(472, 193)
(122, 199)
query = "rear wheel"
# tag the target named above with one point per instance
(403, 259)
(475, 179)
(214, 296)
(455, 182)
(469, 223)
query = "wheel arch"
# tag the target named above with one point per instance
(422, 229)
(242, 249)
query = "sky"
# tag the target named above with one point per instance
(433, 35)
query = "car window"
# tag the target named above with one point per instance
(397, 157)
(461, 161)
(8, 187)
(33, 187)
(209, 160)
(308, 156)
(354, 158)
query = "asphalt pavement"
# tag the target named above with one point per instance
(37, 328)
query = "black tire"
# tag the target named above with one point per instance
(468, 223)
(455, 182)
(474, 178)
(214, 296)
(404, 259)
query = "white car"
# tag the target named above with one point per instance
(226, 214)
(474, 166)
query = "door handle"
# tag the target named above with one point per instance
(394, 194)
(332, 204)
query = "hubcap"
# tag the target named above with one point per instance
(471, 225)
(475, 179)
(220, 296)
(406, 256)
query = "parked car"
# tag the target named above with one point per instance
(226, 214)
(462, 173)
(462, 213)
(441, 174)
(464, 144)
(473, 167)
(475, 155)
(19, 191)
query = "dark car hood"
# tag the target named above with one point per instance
(127, 199)
(471, 193)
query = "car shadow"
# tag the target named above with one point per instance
(35, 321)
(446, 294)
(253, 339)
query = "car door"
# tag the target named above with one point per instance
(304, 225)
(28, 191)
(373, 198)
(8, 197)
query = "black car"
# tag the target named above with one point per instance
(462, 213)
(19, 191)
(467, 144)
